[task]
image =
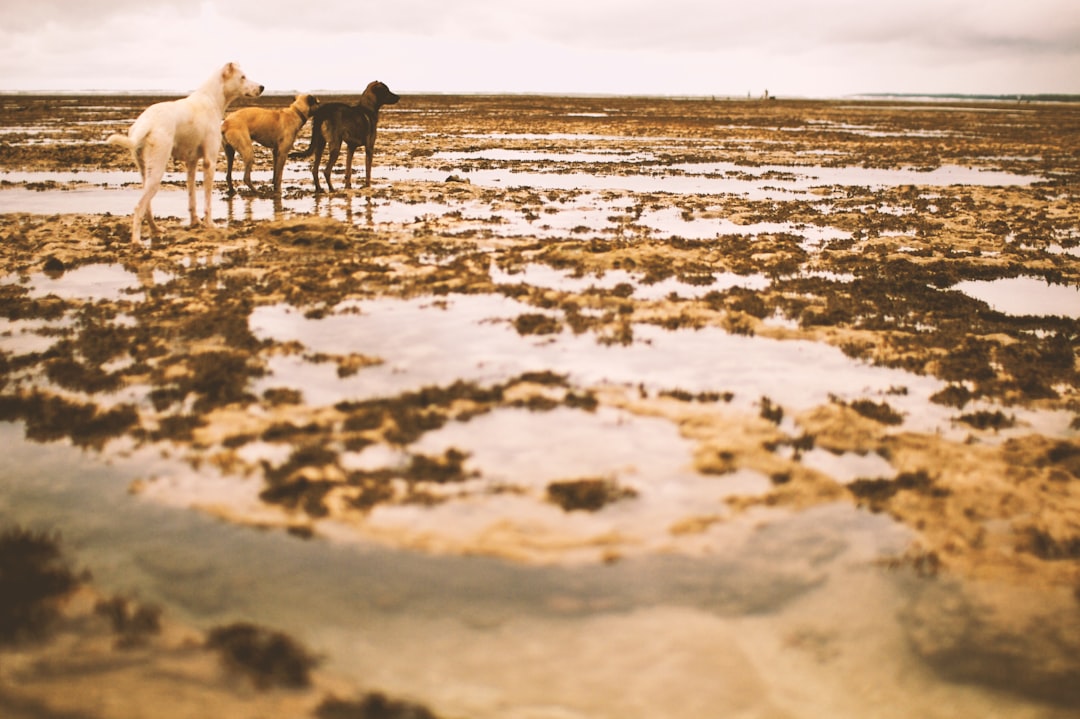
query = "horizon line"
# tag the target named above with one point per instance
(1019, 96)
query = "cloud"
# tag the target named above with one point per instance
(824, 47)
(40, 16)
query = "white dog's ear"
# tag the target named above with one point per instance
(229, 70)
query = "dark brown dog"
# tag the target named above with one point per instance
(355, 125)
(276, 129)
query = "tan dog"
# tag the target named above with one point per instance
(276, 129)
(188, 129)
(355, 125)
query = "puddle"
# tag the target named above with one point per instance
(92, 283)
(423, 343)
(472, 337)
(557, 136)
(644, 459)
(866, 130)
(672, 222)
(487, 639)
(109, 195)
(117, 193)
(536, 275)
(11, 180)
(726, 178)
(1022, 296)
(802, 177)
(847, 467)
(23, 337)
(511, 156)
(473, 636)
(1061, 250)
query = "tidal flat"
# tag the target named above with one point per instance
(587, 407)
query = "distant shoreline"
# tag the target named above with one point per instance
(872, 96)
(1039, 97)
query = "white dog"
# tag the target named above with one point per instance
(186, 129)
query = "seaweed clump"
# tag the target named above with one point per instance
(34, 582)
(534, 323)
(878, 411)
(269, 658)
(878, 492)
(590, 495)
(374, 705)
(49, 418)
(134, 625)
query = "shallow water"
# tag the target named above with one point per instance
(1025, 296)
(90, 282)
(672, 222)
(117, 193)
(425, 342)
(485, 638)
(692, 593)
(536, 275)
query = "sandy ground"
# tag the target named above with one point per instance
(579, 234)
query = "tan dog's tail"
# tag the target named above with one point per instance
(316, 126)
(306, 153)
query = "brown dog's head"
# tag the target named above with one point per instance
(381, 93)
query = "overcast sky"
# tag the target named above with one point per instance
(806, 48)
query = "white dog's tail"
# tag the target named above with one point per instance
(135, 148)
(121, 140)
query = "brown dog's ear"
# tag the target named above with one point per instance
(312, 101)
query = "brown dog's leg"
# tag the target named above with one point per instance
(369, 151)
(230, 153)
(331, 160)
(316, 158)
(349, 152)
(249, 160)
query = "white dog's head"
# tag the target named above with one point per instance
(236, 83)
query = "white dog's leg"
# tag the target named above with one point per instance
(154, 232)
(153, 169)
(191, 168)
(209, 165)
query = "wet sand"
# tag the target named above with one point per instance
(594, 332)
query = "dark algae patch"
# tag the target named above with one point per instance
(267, 657)
(588, 495)
(375, 705)
(877, 492)
(35, 580)
(133, 623)
(877, 411)
(49, 418)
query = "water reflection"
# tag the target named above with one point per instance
(790, 607)
(242, 206)
(472, 337)
(1025, 296)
